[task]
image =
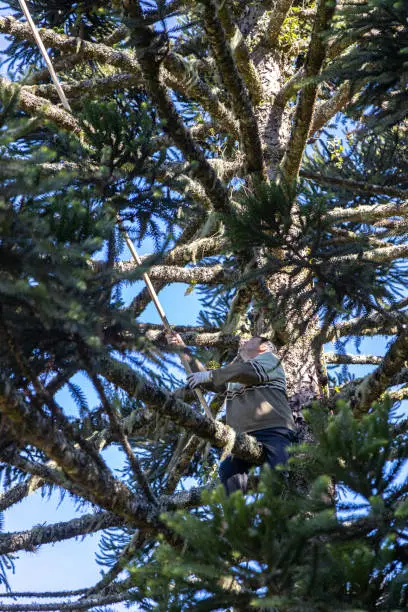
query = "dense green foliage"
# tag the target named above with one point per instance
(307, 256)
(280, 549)
(378, 61)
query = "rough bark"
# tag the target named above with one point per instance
(269, 106)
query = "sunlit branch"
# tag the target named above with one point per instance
(399, 395)
(19, 492)
(305, 107)
(277, 17)
(191, 338)
(373, 385)
(328, 109)
(378, 255)
(42, 595)
(241, 103)
(365, 326)
(69, 44)
(84, 604)
(38, 536)
(289, 89)
(167, 405)
(241, 54)
(208, 275)
(338, 358)
(36, 106)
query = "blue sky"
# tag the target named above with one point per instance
(71, 564)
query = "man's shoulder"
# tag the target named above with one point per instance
(267, 358)
(269, 363)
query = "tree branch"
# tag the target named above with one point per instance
(374, 385)
(86, 524)
(87, 86)
(278, 15)
(232, 79)
(119, 431)
(84, 604)
(206, 275)
(191, 338)
(368, 326)
(44, 594)
(392, 228)
(242, 57)
(399, 395)
(352, 359)
(326, 110)
(305, 107)
(46, 534)
(19, 492)
(96, 483)
(147, 43)
(191, 252)
(219, 435)
(387, 323)
(378, 255)
(289, 89)
(178, 76)
(123, 559)
(69, 45)
(34, 105)
(360, 187)
(181, 254)
(48, 473)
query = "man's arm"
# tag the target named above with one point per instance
(262, 369)
(239, 371)
(217, 380)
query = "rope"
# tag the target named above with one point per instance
(183, 356)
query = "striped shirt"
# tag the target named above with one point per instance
(255, 393)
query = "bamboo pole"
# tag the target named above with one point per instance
(184, 357)
(45, 55)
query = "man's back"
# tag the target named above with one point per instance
(255, 393)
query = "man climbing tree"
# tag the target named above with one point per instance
(258, 151)
(256, 404)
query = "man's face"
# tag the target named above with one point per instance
(248, 349)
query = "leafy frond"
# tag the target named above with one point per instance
(377, 60)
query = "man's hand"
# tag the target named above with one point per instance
(174, 339)
(198, 378)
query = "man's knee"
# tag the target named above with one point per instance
(226, 469)
(234, 474)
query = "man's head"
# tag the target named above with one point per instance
(251, 348)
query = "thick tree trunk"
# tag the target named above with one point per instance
(305, 379)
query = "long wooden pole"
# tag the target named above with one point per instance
(152, 292)
(45, 55)
(185, 359)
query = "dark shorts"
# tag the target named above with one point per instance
(275, 440)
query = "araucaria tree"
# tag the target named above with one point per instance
(261, 147)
